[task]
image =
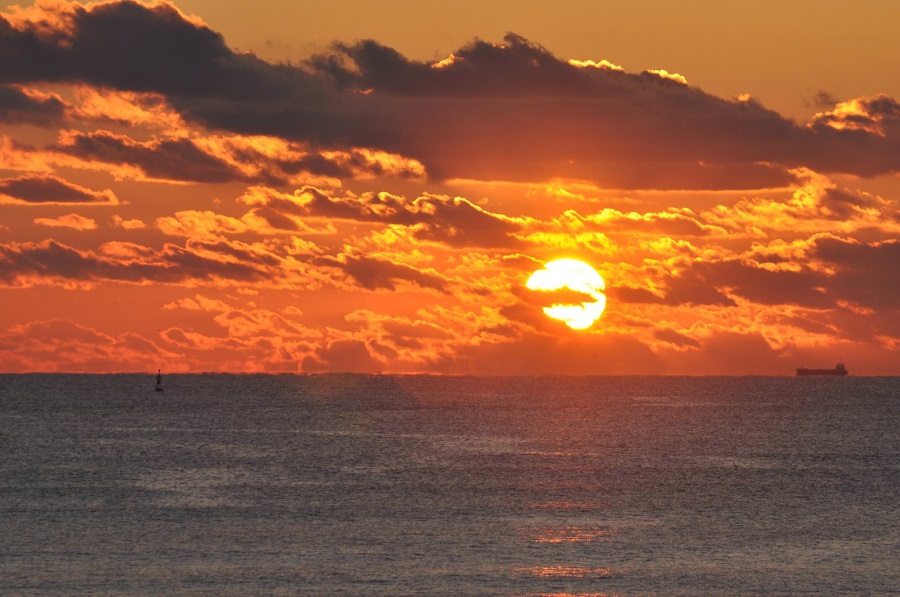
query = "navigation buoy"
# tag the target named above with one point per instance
(159, 387)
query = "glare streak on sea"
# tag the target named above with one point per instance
(458, 486)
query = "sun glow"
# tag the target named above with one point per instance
(575, 276)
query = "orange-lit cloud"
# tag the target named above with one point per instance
(361, 210)
(879, 114)
(131, 224)
(74, 221)
(61, 345)
(454, 221)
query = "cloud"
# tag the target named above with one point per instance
(676, 338)
(22, 105)
(198, 303)
(96, 43)
(216, 263)
(664, 74)
(62, 345)
(166, 159)
(148, 110)
(191, 223)
(51, 190)
(865, 274)
(495, 111)
(582, 118)
(824, 272)
(206, 260)
(251, 339)
(216, 159)
(879, 114)
(676, 222)
(453, 221)
(74, 221)
(374, 274)
(349, 356)
(132, 224)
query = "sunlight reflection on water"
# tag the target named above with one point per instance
(564, 571)
(570, 535)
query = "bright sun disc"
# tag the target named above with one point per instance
(575, 275)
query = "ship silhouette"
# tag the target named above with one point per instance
(838, 371)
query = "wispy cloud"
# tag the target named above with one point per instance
(74, 221)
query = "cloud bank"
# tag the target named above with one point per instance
(492, 111)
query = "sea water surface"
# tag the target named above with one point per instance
(458, 486)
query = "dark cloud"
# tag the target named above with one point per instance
(374, 274)
(348, 356)
(16, 106)
(521, 113)
(509, 111)
(836, 271)
(133, 46)
(676, 338)
(227, 160)
(700, 288)
(36, 189)
(695, 287)
(624, 294)
(211, 261)
(562, 296)
(843, 204)
(25, 263)
(170, 159)
(453, 221)
(759, 284)
(351, 163)
(823, 99)
(867, 274)
(481, 69)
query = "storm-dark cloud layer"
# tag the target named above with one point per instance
(506, 111)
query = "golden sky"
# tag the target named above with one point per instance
(355, 186)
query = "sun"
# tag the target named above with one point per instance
(575, 276)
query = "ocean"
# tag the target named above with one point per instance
(454, 486)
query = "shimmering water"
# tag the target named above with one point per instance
(377, 485)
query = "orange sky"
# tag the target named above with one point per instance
(327, 186)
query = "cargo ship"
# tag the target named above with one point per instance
(838, 371)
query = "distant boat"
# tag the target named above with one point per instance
(838, 371)
(159, 387)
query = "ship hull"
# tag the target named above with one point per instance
(819, 372)
(839, 371)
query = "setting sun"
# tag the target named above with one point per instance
(578, 277)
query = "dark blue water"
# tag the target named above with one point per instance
(378, 485)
